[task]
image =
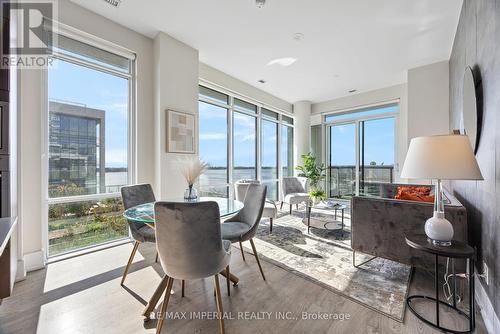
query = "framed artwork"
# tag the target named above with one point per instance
(181, 129)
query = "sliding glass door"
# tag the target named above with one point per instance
(342, 164)
(376, 154)
(361, 151)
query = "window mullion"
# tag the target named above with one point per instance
(258, 143)
(230, 136)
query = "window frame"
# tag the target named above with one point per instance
(131, 132)
(229, 143)
(232, 108)
(280, 133)
(279, 170)
(234, 112)
(326, 125)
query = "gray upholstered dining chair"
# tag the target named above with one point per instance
(270, 210)
(188, 238)
(132, 196)
(243, 226)
(293, 191)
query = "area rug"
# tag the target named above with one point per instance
(325, 257)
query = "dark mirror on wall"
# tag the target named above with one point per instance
(471, 113)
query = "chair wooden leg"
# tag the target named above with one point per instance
(290, 205)
(257, 259)
(297, 206)
(161, 316)
(228, 281)
(242, 252)
(219, 304)
(183, 285)
(270, 225)
(156, 258)
(130, 259)
(281, 206)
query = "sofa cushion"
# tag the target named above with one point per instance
(296, 198)
(269, 211)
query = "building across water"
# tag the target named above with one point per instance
(76, 149)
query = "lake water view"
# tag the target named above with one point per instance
(213, 182)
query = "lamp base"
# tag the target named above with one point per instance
(439, 230)
(439, 242)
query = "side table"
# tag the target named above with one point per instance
(325, 206)
(457, 250)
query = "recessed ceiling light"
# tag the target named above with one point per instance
(262, 81)
(298, 36)
(352, 91)
(260, 3)
(286, 61)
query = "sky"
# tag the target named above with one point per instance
(76, 84)
(378, 140)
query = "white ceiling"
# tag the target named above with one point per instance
(347, 44)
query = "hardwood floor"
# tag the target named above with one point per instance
(83, 295)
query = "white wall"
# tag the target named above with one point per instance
(375, 97)
(218, 78)
(176, 87)
(302, 131)
(428, 100)
(30, 157)
(32, 100)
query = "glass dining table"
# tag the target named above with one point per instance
(145, 214)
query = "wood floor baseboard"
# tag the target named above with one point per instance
(35, 260)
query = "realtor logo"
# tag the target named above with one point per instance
(28, 34)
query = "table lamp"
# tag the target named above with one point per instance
(446, 157)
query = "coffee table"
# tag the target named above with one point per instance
(325, 206)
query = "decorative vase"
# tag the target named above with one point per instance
(191, 193)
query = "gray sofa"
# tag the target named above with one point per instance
(379, 225)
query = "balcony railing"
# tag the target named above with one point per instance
(343, 180)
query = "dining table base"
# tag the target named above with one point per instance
(163, 285)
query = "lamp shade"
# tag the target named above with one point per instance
(447, 157)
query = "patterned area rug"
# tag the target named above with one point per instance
(325, 257)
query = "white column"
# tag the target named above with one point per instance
(176, 87)
(301, 136)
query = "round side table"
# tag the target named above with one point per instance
(325, 206)
(457, 250)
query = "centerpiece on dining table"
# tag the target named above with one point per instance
(191, 169)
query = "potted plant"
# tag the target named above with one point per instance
(315, 173)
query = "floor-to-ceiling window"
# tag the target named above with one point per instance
(287, 146)
(240, 139)
(269, 144)
(88, 145)
(213, 141)
(361, 150)
(244, 141)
